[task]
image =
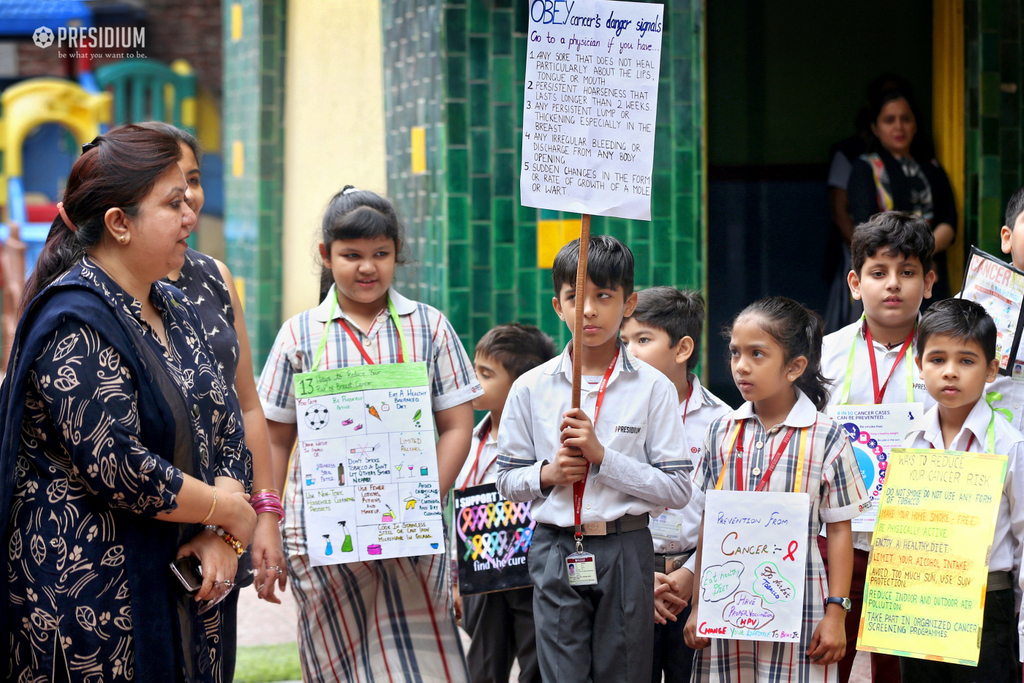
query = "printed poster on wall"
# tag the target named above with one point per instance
(924, 594)
(874, 431)
(999, 287)
(590, 105)
(369, 468)
(752, 565)
(491, 538)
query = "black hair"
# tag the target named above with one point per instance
(1014, 207)
(609, 264)
(881, 83)
(893, 233)
(517, 347)
(360, 214)
(920, 145)
(679, 313)
(178, 134)
(798, 330)
(116, 170)
(961, 319)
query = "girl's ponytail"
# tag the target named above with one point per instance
(798, 330)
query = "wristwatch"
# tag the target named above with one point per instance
(845, 603)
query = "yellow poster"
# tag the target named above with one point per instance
(924, 595)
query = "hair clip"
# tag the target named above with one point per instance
(86, 146)
(349, 189)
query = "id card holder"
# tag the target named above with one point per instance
(667, 527)
(582, 569)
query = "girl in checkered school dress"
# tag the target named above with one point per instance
(775, 350)
(387, 619)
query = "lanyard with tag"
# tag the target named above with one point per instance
(737, 445)
(879, 392)
(580, 565)
(402, 350)
(476, 463)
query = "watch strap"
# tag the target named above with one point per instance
(845, 603)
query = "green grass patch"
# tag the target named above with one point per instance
(267, 663)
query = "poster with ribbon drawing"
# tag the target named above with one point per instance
(999, 288)
(366, 449)
(752, 566)
(874, 431)
(491, 538)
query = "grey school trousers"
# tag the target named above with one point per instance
(502, 631)
(599, 633)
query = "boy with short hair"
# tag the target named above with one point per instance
(956, 355)
(871, 361)
(665, 332)
(501, 623)
(629, 459)
(1011, 387)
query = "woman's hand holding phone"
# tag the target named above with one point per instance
(219, 562)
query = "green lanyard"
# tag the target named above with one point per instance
(848, 380)
(323, 337)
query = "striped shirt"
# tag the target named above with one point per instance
(831, 476)
(429, 335)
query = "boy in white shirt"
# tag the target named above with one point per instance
(595, 623)
(665, 331)
(872, 361)
(956, 356)
(500, 623)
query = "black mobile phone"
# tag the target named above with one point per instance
(189, 571)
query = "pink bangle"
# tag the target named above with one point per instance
(268, 501)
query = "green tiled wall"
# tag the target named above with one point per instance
(994, 129)
(253, 106)
(476, 246)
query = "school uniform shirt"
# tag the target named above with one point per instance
(697, 413)
(430, 336)
(481, 466)
(835, 358)
(1006, 545)
(645, 448)
(1011, 390)
(832, 478)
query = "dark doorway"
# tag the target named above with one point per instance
(785, 79)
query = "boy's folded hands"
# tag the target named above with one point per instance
(668, 598)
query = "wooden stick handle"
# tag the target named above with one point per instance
(581, 297)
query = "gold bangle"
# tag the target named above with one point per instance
(212, 507)
(267, 491)
(234, 543)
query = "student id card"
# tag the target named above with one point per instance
(582, 569)
(667, 527)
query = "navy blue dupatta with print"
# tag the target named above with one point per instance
(163, 621)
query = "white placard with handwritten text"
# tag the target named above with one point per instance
(752, 566)
(590, 105)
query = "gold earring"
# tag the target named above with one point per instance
(122, 239)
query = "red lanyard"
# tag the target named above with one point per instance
(970, 443)
(771, 465)
(479, 450)
(359, 345)
(579, 486)
(879, 393)
(686, 406)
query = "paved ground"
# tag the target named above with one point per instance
(263, 623)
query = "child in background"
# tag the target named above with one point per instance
(597, 623)
(384, 618)
(956, 354)
(501, 623)
(776, 351)
(1011, 387)
(665, 331)
(872, 361)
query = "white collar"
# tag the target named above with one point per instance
(802, 414)
(626, 363)
(977, 423)
(322, 313)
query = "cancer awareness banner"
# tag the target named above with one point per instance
(589, 107)
(924, 595)
(999, 287)
(752, 566)
(874, 431)
(491, 539)
(369, 468)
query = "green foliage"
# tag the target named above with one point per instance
(267, 663)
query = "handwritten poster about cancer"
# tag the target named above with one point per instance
(492, 536)
(999, 288)
(590, 105)
(874, 431)
(369, 477)
(924, 595)
(752, 565)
